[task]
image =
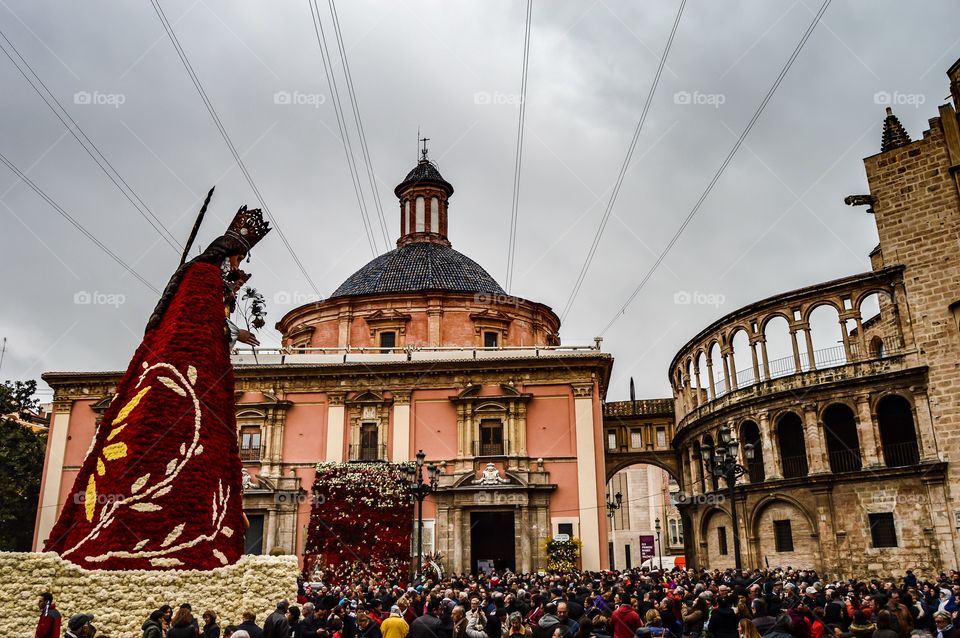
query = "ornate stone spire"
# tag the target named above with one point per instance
(894, 135)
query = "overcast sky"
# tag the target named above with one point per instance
(776, 220)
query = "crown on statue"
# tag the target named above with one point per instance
(248, 226)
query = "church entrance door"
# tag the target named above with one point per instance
(492, 538)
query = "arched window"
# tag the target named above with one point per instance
(750, 433)
(840, 432)
(897, 432)
(793, 447)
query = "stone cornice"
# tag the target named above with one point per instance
(394, 376)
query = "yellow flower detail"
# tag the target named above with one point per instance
(115, 431)
(90, 498)
(115, 451)
(101, 468)
(128, 408)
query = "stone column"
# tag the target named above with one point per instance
(924, 424)
(525, 532)
(343, 327)
(458, 561)
(766, 359)
(727, 373)
(940, 514)
(847, 350)
(53, 470)
(815, 440)
(434, 312)
(797, 366)
(756, 363)
(826, 535)
(696, 373)
(400, 451)
(335, 427)
(713, 390)
(811, 357)
(771, 451)
(868, 433)
(589, 506)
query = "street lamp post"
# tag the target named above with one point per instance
(419, 491)
(656, 528)
(614, 505)
(724, 465)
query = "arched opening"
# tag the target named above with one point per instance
(713, 479)
(743, 359)
(827, 338)
(877, 349)
(898, 433)
(700, 378)
(779, 348)
(880, 333)
(716, 362)
(784, 534)
(793, 447)
(750, 433)
(644, 523)
(717, 532)
(840, 432)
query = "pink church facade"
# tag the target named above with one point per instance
(418, 350)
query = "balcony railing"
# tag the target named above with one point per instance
(755, 471)
(901, 454)
(250, 454)
(794, 466)
(845, 461)
(823, 359)
(368, 452)
(489, 449)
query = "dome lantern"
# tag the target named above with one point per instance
(423, 198)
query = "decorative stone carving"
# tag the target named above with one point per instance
(490, 476)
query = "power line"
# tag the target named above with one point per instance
(623, 169)
(723, 166)
(356, 115)
(99, 158)
(23, 177)
(514, 209)
(226, 138)
(341, 124)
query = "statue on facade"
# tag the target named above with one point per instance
(161, 485)
(490, 476)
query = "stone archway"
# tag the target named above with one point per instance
(782, 533)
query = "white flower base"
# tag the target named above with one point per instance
(122, 600)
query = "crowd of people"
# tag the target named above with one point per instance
(629, 604)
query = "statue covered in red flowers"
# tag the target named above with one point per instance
(161, 485)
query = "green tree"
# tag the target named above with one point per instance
(21, 467)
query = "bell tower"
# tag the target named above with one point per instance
(424, 196)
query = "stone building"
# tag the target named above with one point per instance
(419, 349)
(640, 468)
(855, 468)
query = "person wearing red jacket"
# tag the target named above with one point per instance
(49, 624)
(625, 621)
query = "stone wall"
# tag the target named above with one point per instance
(122, 601)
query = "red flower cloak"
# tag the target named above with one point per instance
(161, 486)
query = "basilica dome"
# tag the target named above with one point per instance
(420, 266)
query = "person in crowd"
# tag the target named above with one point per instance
(230, 630)
(394, 626)
(48, 626)
(746, 628)
(183, 625)
(723, 619)
(367, 627)
(625, 621)
(427, 625)
(945, 627)
(276, 624)
(250, 626)
(153, 626)
(210, 627)
(861, 627)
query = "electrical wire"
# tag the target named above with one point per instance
(623, 170)
(54, 104)
(356, 114)
(26, 180)
(341, 124)
(514, 208)
(723, 165)
(226, 138)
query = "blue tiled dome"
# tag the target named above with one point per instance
(419, 266)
